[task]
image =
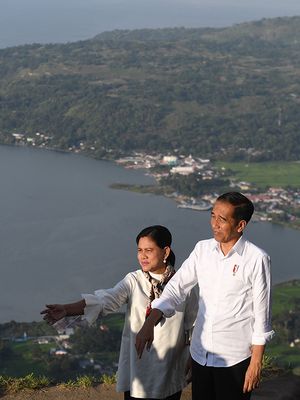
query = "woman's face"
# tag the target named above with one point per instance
(151, 257)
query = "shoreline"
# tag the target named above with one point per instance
(159, 191)
(181, 200)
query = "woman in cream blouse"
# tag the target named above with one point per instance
(160, 374)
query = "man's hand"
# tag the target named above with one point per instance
(252, 378)
(253, 373)
(145, 336)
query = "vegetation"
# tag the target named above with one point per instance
(153, 189)
(21, 356)
(13, 385)
(286, 298)
(276, 174)
(17, 329)
(229, 94)
(108, 379)
(84, 381)
(285, 346)
(32, 360)
(194, 185)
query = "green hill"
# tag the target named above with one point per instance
(285, 346)
(230, 93)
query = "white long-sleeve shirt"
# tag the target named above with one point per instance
(160, 372)
(234, 300)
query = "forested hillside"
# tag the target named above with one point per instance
(229, 93)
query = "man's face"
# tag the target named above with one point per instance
(225, 228)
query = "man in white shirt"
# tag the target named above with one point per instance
(234, 318)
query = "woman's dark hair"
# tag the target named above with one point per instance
(161, 236)
(243, 207)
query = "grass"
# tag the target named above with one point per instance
(30, 381)
(275, 174)
(108, 379)
(82, 381)
(285, 297)
(284, 356)
(270, 367)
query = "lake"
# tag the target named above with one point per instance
(64, 231)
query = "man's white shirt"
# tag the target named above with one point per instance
(234, 300)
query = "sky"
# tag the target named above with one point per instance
(48, 21)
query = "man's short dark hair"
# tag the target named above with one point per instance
(243, 207)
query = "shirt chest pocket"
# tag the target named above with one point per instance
(223, 280)
(234, 284)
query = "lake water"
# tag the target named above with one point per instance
(63, 231)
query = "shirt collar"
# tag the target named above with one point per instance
(240, 245)
(237, 248)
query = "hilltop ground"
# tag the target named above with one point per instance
(285, 387)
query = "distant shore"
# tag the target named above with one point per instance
(157, 188)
